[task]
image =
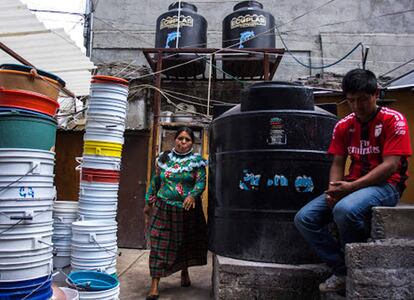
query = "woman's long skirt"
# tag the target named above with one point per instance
(178, 238)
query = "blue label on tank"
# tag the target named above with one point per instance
(172, 36)
(245, 36)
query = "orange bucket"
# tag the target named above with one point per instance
(109, 79)
(98, 175)
(28, 100)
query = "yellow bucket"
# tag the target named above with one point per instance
(102, 148)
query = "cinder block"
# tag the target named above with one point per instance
(393, 222)
(380, 270)
(390, 253)
(237, 279)
(381, 284)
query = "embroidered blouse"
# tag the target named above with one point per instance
(180, 176)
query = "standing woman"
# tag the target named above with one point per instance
(178, 232)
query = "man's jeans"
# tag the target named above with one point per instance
(352, 215)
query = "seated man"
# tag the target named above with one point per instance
(377, 141)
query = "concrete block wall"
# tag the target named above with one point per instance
(380, 270)
(239, 279)
(384, 268)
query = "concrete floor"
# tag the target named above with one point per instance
(135, 280)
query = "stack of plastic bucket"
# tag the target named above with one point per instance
(100, 173)
(64, 214)
(27, 191)
(103, 141)
(94, 246)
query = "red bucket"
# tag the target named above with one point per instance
(109, 79)
(97, 175)
(28, 100)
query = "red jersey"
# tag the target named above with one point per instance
(367, 143)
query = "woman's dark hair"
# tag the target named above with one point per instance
(186, 129)
(359, 80)
(164, 156)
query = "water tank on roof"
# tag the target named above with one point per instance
(189, 32)
(246, 28)
(267, 160)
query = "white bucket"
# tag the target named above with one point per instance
(13, 256)
(105, 135)
(62, 229)
(27, 187)
(16, 161)
(98, 190)
(94, 231)
(100, 200)
(112, 294)
(104, 250)
(105, 107)
(98, 206)
(25, 203)
(70, 294)
(37, 266)
(99, 162)
(91, 215)
(25, 215)
(26, 237)
(104, 265)
(107, 122)
(108, 91)
(65, 206)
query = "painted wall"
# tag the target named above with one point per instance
(317, 33)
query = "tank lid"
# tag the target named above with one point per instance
(275, 95)
(249, 4)
(184, 5)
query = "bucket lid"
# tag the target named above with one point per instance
(27, 100)
(24, 68)
(248, 4)
(109, 79)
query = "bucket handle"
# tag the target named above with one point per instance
(79, 160)
(28, 216)
(98, 150)
(36, 167)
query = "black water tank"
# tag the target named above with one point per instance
(191, 33)
(247, 27)
(267, 159)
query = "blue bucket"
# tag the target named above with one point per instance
(26, 112)
(92, 280)
(19, 289)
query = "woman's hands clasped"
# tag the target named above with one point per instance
(189, 202)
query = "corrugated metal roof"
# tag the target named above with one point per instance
(51, 50)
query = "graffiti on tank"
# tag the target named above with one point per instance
(304, 184)
(250, 181)
(171, 37)
(244, 37)
(26, 192)
(278, 180)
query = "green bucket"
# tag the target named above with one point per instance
(24, 130)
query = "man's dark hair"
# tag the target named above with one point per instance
(359, 80)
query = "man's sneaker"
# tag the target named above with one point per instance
(333, 284)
